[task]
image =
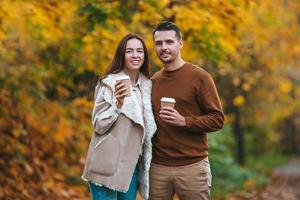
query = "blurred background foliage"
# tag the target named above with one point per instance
(52, 53)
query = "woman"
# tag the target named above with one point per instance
(119, 154)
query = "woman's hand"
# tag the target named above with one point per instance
(121, 91)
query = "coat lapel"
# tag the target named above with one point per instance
(150, 125)
(130, 107)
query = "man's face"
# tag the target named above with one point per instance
(167, 45)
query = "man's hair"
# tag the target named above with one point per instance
(168, 26)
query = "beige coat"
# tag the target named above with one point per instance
(120, 138)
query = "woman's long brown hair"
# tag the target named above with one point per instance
(118, 62)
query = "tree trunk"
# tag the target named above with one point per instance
(239, 137)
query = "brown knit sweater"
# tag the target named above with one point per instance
(198, 101)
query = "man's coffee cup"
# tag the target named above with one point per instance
(167, 102)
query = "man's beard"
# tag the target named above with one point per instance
(169, 60)
(166, 61)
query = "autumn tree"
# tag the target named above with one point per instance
(52, 53)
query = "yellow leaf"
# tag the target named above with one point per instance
(285, 87)
(298, 92)
(239, 100)
(64, 131)
(236, 81)
(249, 184)
(246, 87)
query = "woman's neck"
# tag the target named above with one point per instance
(133, 74)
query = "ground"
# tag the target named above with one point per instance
(284, 184)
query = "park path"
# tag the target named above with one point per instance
(284, 184)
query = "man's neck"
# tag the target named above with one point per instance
(176, 64)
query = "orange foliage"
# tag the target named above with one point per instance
(52, 52)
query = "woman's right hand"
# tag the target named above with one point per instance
(121, 92)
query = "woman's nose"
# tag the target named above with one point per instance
(134, 54)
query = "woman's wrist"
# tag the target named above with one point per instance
(118, 104)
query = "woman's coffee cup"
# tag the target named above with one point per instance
(125, 80)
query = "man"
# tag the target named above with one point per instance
(180, 163)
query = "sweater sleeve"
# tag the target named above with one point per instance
(105, 111)
(208, 99)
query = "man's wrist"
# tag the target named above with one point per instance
(183, 122)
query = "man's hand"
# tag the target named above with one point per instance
(171, 116)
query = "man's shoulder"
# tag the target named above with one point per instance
(198, 71)
(156, 75)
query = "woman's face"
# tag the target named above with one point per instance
(134, 54)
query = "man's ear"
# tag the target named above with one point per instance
(181, 43)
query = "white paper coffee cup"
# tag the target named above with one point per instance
(127, 82)
(167, 102)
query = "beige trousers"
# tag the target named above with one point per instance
(189, 182)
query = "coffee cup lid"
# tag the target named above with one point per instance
(123, 77)
(167, 99)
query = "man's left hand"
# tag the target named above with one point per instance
(171, 116)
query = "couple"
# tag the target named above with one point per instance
(123, 156)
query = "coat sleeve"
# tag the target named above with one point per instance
(105, 111)
(209, 101)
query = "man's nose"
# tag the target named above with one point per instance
(163, 45)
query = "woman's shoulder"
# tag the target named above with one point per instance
(106, 83)
(110, 79)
